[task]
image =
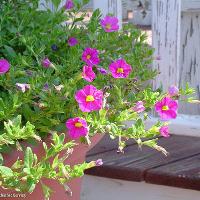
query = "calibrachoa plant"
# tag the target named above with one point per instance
(63, 77)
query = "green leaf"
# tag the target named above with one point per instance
(10, 51)
(55, 162)
(56, 3)
(61, 138)
(78, 19)
(6, 171)
(47, 191)
(85, 1)
(1, 159)
(17, 164)
(14, 131)
(30, 184)
(28, 158)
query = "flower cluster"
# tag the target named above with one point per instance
(65, 78)
(91, 99)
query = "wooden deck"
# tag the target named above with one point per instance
(181, 168)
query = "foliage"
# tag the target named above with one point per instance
(27, 36)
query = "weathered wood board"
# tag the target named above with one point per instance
(190, 6)
(107, 144)
(184, 173)
(176, 39)
(135, 164)
(190, 57)
(166, 41)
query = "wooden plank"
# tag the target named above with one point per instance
(190, 5)
(184, 174)
(107, 144)
(133, 164)
(166, 21)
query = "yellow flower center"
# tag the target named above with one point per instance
(88, 57)
(120, 70)
(108, 26)
(165, 108)
(78, 124)
(89, 98)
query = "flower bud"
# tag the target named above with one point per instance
(139, 107)
(46, 63)
(99, 162)
(54, 47)
(164, 131)
(69, 4)
(173, 91)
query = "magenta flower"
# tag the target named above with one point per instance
(89, 98)
(120, 69)
(4, 66)
(139, 107)
(167, 108)
(164, 131)
(77, 127)
(88, 74)
(173, 91)
(46, 63)
(23, 86)
(72, 41)
(102, 70)
(90, 56)
(110, 24)
(69, 4)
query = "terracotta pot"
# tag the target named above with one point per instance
(59, 193)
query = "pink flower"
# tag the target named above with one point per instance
(69, 4)
(88, 74)
(173, 91)
(90, 56)
(89, 98)
(167, 108)
(23, 86)
(139, 107)
(110, 24)
(77, 127)
(164, 131)
(4, 66)
(120, 69)
(46, 63)
(72, 41)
